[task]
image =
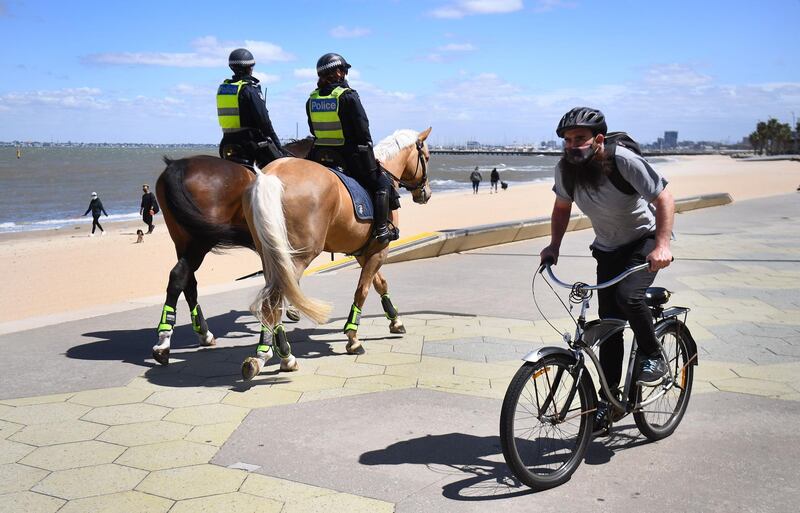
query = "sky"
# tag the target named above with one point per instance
(500, 71)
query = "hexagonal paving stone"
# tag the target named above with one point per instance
(753, 387)
(12, 452)
(229, 502)
(331, 393)
(40, 399)
(29, 502)
(311, 383)
(351, 370)
(143, 433)
(73, 455)
(44, 413)
(58, 433)
(388, 358)
(261, 397)
(383, 382)
(446, 383)
(109, 396)
(281, 489)
(126, 414)
(18, 478)
(8, 428)
(213, 434)
(123, 502)
(160, 456)
(207, 414)
(90, 481)
(191, 482)
(339, 502)
(186, 397)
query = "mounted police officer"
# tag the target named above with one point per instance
(341, 137)
(247, 133)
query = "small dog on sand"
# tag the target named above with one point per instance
(139, 236)
(504, 185)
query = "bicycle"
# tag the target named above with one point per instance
(548, 412)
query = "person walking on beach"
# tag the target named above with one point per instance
(631, 227)
(148, 208)
(96, 208)
(493, 179)
(342, 138)
(247, 132)
(476, 178)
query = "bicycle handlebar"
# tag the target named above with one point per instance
(613, 281)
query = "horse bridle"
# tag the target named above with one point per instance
(420, 162)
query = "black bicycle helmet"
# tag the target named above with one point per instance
(241, 59)
(585, 117)
(329, 62)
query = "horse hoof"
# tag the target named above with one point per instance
(161, 356)
(397, 327)
(251, 367)
(207, 340)
(355, 347)
(293, 314)
(290, 364)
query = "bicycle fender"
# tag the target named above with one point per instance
(537, 354)
(690, 343)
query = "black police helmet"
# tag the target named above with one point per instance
(241, 59)
(330, 62)
(583, 117)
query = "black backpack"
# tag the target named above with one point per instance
(613, 139)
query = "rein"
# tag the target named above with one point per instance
(420, 162)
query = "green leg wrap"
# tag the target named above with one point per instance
(388, 307)
(353, 319)
(280, 343)
(264, 341)
(168, 317)
(198, 321)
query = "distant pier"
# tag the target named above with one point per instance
(558, 153)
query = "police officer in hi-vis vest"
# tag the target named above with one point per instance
(341, 137)
(247, 133)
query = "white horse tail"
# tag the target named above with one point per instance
(276, 254)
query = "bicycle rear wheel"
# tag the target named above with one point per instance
(660, 418)
(544, 438)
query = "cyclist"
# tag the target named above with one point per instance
(629, 230)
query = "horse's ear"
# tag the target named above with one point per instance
(424, 135)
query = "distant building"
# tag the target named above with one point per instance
(670, 140)
(473, 145)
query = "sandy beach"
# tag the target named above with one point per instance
(51, 272)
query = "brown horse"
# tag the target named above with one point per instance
(296, 209)
(201, 200)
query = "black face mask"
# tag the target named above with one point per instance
(580, 155)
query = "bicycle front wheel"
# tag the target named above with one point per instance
(660, 416)
(546, 421)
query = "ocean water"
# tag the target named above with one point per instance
(51, 187)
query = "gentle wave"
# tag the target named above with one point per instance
(51, 224)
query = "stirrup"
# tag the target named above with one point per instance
(386, 234)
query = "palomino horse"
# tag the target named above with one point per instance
(201, 200)
(295, 210)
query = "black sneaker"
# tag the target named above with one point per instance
(602, 424)
(652, 371)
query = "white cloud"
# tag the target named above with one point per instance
(342, 32)
(669, 75)
(208, 53)
(551, 5)
(457, 47)
(266, 78)
(71, 98)
(462, 8)
(305, 73)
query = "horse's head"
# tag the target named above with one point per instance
(405, 155)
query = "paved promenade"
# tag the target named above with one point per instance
(88, 423)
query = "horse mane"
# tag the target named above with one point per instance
(391, 145)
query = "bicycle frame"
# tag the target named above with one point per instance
(578, 346)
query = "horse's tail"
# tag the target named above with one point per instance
(172, 191)
(269, 225)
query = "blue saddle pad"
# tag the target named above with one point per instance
(362, 200)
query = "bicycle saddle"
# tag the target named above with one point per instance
(656, 296)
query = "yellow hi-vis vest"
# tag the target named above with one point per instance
(228, 106)
(324, 113)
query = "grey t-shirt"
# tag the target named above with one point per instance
(618, 218)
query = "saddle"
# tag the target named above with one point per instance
(362, 199)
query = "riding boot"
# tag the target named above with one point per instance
(382, 232)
